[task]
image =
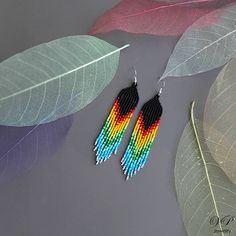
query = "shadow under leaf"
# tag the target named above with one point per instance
(23, 147)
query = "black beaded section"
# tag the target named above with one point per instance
(128, 99)
(152, 111)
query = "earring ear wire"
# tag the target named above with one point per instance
(160, 90)
(135, 76)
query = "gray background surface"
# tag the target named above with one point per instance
(68, 195)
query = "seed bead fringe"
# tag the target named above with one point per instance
(142, 137)
(109, 139)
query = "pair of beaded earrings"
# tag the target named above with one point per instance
(109, 139)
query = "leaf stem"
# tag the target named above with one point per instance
(205, 164)
(123, 47)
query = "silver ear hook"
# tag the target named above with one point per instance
(162, 87)
(135, 76)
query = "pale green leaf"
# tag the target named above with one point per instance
(220, 117)
(204, 46)
(203, 190)
(55, 79)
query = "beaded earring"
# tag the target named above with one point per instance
(109, 139)
(142, 137)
